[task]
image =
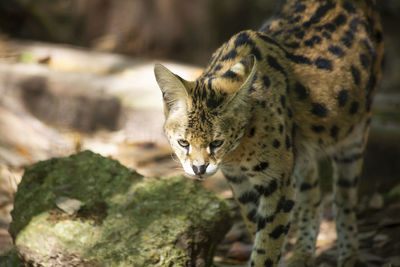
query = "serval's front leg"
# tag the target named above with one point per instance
(266, 205)
(273, 221)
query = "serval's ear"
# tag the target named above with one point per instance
(173, 88)
(247, 69)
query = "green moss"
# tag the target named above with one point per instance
(86, 176)
(124, 220)
(10, 259)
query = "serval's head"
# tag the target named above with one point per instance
(206, 119)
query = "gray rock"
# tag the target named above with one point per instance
(123, 218)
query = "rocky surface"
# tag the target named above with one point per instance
(86, 210)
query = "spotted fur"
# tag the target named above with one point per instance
(269, 104)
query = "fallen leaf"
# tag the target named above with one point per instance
(240, 251)
(380, 238)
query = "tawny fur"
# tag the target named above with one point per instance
(269, 105)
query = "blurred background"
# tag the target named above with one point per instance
(78, 74)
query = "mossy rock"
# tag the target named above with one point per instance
(87, 210)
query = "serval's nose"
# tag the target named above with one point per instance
(199, 169)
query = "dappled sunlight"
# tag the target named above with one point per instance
(79, 75)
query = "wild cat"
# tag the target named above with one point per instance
(272, 102)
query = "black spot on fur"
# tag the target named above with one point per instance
(252, 215)
(315, 39)
(317, 128)
(283, 101)
(347, 39)
(267, 39)
(277, 33)
(276, 143)
(248, 197)
(323, 63)
(334, 131)
(354, 23)
(342, 97)
(299, 35)
(354, 107)
(319, 109)
(274, 63)
(267, 190)
(293, 45)
(252, 131)
(307, 186)
(296, 19)
(280, 128)
(299, 59)
(290, 113)
(279, 230)
(364, 61)
(321, 11)
(301, 91)
(336, 50)
(268, 263)
(260, 251)
(266, 81)
(243, 39)
(287, 142)
(230, 75)
(356, 74)
(230, 55)
(284, 204)
(330, 27)
(327, 35)
(261, 166)
(261, 222)
(213, 100)
(340, 20)
(256, 52)
(349, 7)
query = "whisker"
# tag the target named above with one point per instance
(173, 158)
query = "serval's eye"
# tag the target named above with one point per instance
(216, 143)
(183, 143)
